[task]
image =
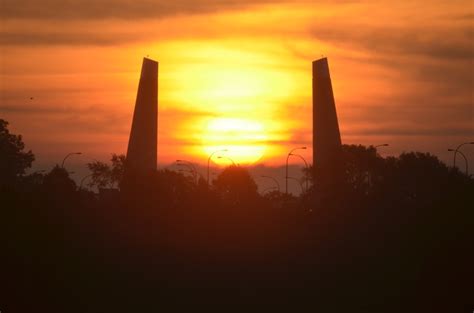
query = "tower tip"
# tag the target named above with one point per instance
(148, 59)
(321, 60)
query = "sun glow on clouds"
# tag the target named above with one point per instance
(241, 140)
(237, 77)
(239, 93)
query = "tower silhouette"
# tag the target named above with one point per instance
(142, 144)
(326, 136)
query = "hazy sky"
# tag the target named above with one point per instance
(236, 73)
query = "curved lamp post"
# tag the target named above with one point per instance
(287, 157)
(457, 150)
(465, 159)
(68, 155)
(305, 164)
(209, 160)
(276, 181)
(191, 167)
(224, 157)
(382, 145)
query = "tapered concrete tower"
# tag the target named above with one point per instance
(142, 144)
(326, 136)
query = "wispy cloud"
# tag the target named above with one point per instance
(120, 9)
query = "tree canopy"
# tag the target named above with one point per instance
(105, 175)
(14, 160)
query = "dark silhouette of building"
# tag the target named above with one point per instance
(326, 136)
(142, 145)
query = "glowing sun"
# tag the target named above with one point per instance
(234, 140)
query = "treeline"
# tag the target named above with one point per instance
(388, 234)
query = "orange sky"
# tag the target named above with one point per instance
(236, 74)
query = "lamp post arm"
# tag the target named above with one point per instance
(286, 173)
(208, 164)
(191, 167)
(64, 160)
(209, 161)
(286, 167)
(457, 150)
(67, 156)
(223, 157)
(306, 166)
(301, 157)
(466, 162)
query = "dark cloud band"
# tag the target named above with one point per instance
(121, 9)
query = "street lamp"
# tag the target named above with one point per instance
(382, 145)
(67, 156)
(276, 181)
(209, 160)
(457, 150)
(190, 166)
(224, 157)
(464, 156)
(306, 166)
(287, 157)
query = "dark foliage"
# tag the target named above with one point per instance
(235, 186)
(104, 175)
(395, 235)
(13, 159)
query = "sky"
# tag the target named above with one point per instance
(237, 74)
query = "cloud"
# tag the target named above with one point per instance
(421, 72)
(101, 38)
(92, 119)
(103, 22)
(413, 130)
(437, 43)
(117, 9)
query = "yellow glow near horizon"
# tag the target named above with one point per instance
(243, 140)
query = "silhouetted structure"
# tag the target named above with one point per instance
(142, 145)
(326, 136)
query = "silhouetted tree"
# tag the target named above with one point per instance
(104, 175)
(359, 165)
(118, 168)
(58, 181)
(13, 159)
(278, 199)
(101, 177)
(235, 185)
(156, 189)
